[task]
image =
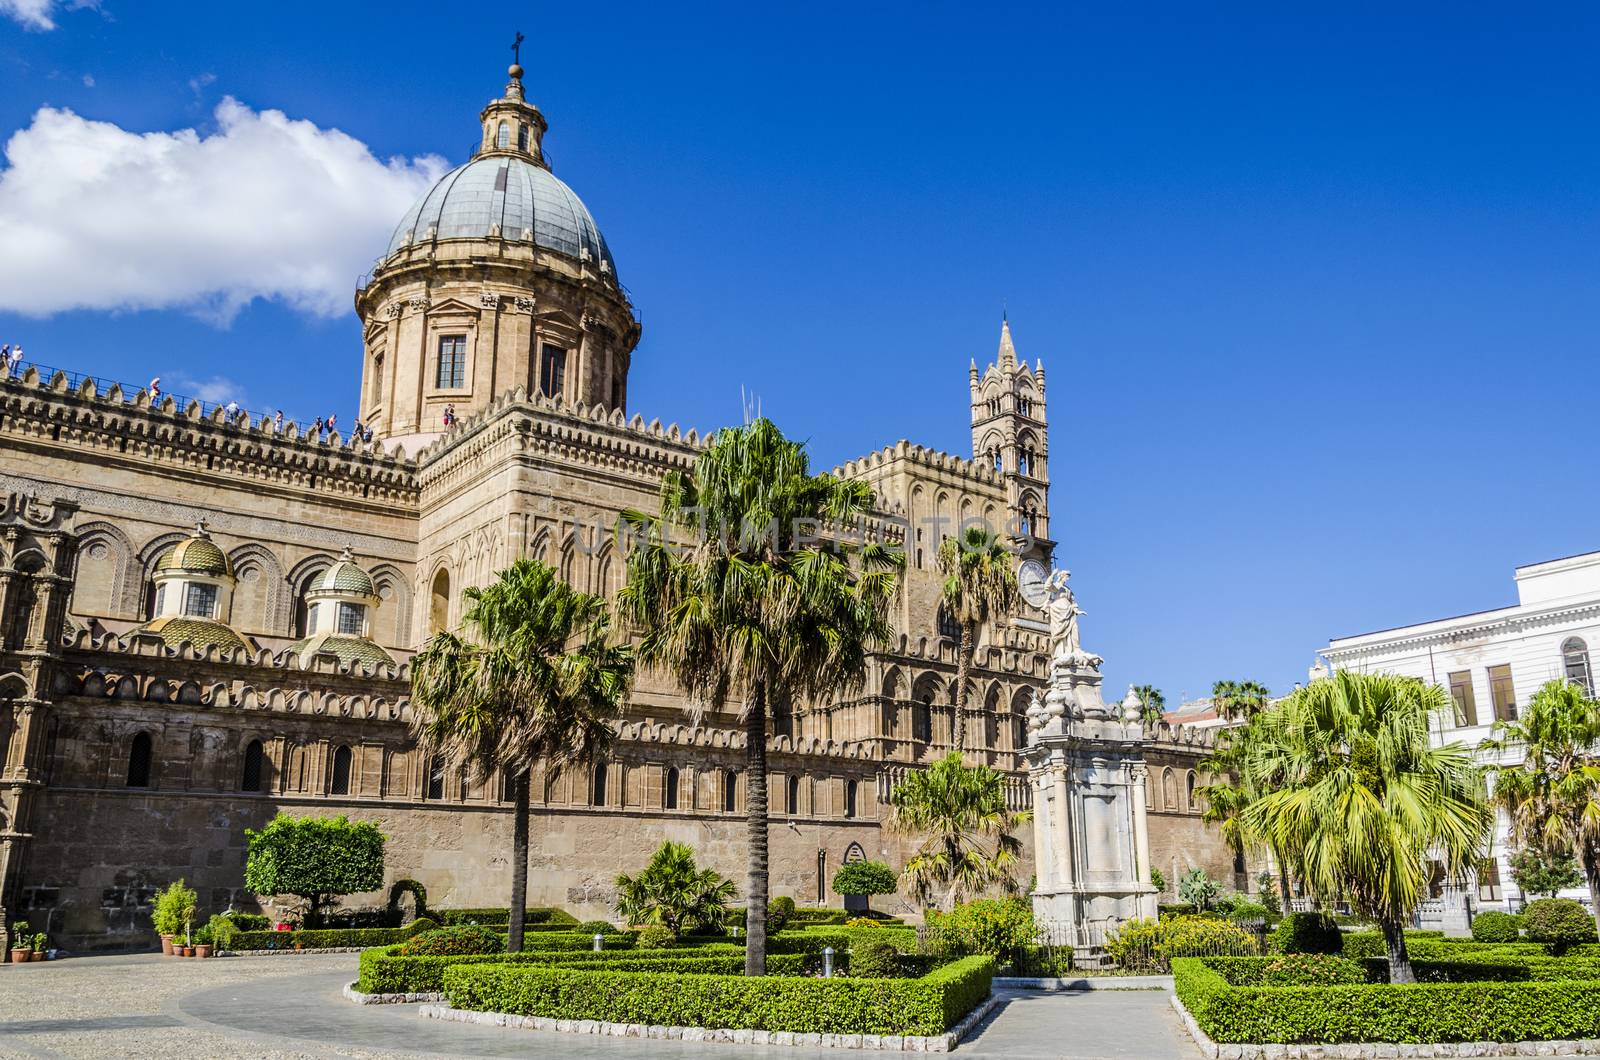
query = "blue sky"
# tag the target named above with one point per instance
(1316, 292)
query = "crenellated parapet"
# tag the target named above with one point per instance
(1189, 739)
(909, 453)
(85, 416)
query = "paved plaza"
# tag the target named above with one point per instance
(285, 1007)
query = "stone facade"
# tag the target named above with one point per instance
(130, 756)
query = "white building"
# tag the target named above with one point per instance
(1492, 662)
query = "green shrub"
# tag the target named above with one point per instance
(1198, 889)
(1307, 933)
(220, 931)
(1309, 969)
(1043, 961)
(1241, 909)
(249, 921)
(998, 927)
(493, 916)
(1167, 909)
(1150, 945)
(675, 893)
(1496, 927)
(385, 971)
(864, 879)
(656, 937)
(314, 858)
(863, 922)
(1425, 1012)
(1558, 923)
(413, 888)
(174, 910)
(454, 942)
(597, 927)
(926, 1005)
(328, 938)
(779, 912)
(874, 960)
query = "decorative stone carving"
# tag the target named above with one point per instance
(524, 304)
(489, 300)
(418, 302)
(393, 310)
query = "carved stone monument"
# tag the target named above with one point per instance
(1086, 765)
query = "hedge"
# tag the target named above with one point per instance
(329, 938)
(903, 939)
(923, 1006)
(557, 918)
(1425, 1012)
(385, 971)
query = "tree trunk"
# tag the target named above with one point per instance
(1591, 873)
(1394, 941)
(755, 799)
(963, 674)
(519, 863)
(1283, 879)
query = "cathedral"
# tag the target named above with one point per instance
(206, 617)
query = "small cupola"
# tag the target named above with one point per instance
(193, 595)
(513, 126)
(340, 603)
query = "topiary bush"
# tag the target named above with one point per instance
(1558, 923)
(454, 942)
(413, 888)
(249, 921)
(656, 937)
(1494, 926)
(779, 912)
(597, 927)
(1307, 933)
(874, 960)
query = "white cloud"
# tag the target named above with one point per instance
(97, 217)
(200, 81)
(88, 80)
(219, 389)
(39, 14)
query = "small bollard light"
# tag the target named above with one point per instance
(827, 962)
(599, 942)
(738, 932)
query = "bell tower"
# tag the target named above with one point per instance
(1009, 435)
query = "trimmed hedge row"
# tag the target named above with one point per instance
(1426, 1012)
(924, 1006)
(903, 939)
(331, 938)
(557, 918)
(385, 971)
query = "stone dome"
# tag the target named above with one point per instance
(343, 577)
(197, 555)
(505, 197)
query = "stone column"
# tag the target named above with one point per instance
(1067, 875)
(1141, 835)
(1042, 857)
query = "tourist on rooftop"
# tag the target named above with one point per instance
(155, 389)
(231, 409)
(449, 416)
(277, 423)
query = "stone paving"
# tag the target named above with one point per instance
(290, 1006)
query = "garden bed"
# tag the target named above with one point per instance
(385, 971)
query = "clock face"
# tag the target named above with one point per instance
(1030, 582)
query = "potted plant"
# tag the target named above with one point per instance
(220, 932)
(40, 944)
(21, 944)
(168, 915)
(202, 942)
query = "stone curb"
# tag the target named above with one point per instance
(1089, 982)
(352, 994)
(289, 952)
(1373, 1050)
(937, 1043)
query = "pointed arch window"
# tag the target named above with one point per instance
(255, 767)
(792, 795)
(852, 791)
(670, 797)
(1190, 804)
(436, 777)
(439, 603)
(730, 791)
(341, 772)
(1575, 663)
(922, 720)
(949, 628)
(598, 794)
(138, 761)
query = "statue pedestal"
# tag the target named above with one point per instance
(1091, 843)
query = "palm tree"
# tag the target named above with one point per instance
(736, 593)
(1360, 800)
(1233, 790)
(1239, 699)
(531, 675)
(980, 582)
(1553, 797)
(967, 845)
(1152, 704)
(674, 892)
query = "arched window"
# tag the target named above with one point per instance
(949, 628)
(792, 795)
(341, 772)
(436, 777)
(730, 790)
(1025, 406)
(922, 720)
(851, 791)
(255, 767)
(996, 459)
(439, 603)
(1169, 790)
(670, 799)
(1024, 460)
(522, 137)
(1575, 661)
(1191, 805)
(138, 761)
(502, 138)
(597, 796)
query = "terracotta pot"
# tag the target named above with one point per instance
(166, 945)
(182, 950)
(19, 956)
(202, 951)
(38, 955)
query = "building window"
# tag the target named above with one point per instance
(1461, 692)
(522, 137)
(161, 598)
(341, 772)
(352, 619)
(1025, 406)
(502, 137)
(377, 380)
(200, 601)
(255, 767)
(1190, 804)
(949, 628)
(452, 369)
(439, 603)
(616, 394)
(1024, 461)
(730, 790)
(436, 777)
(552, 370)
(1575, 661)
(1169, 790)
(792, 795)
(138, 761)
(1502, 693)
(996, 459)
(851, 791)
(598, 795)
(671, 796)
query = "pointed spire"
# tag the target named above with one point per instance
(1008, 352)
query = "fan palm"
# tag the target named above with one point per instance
(1239, 699)
(1152, 704)
(966, 827)
(1553, 798)
(1233, 790)
(1359, 799)
(735, 594)
(531, 675)
(674, 892)
(980, 582)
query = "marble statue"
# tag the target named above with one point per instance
(1065, 643)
